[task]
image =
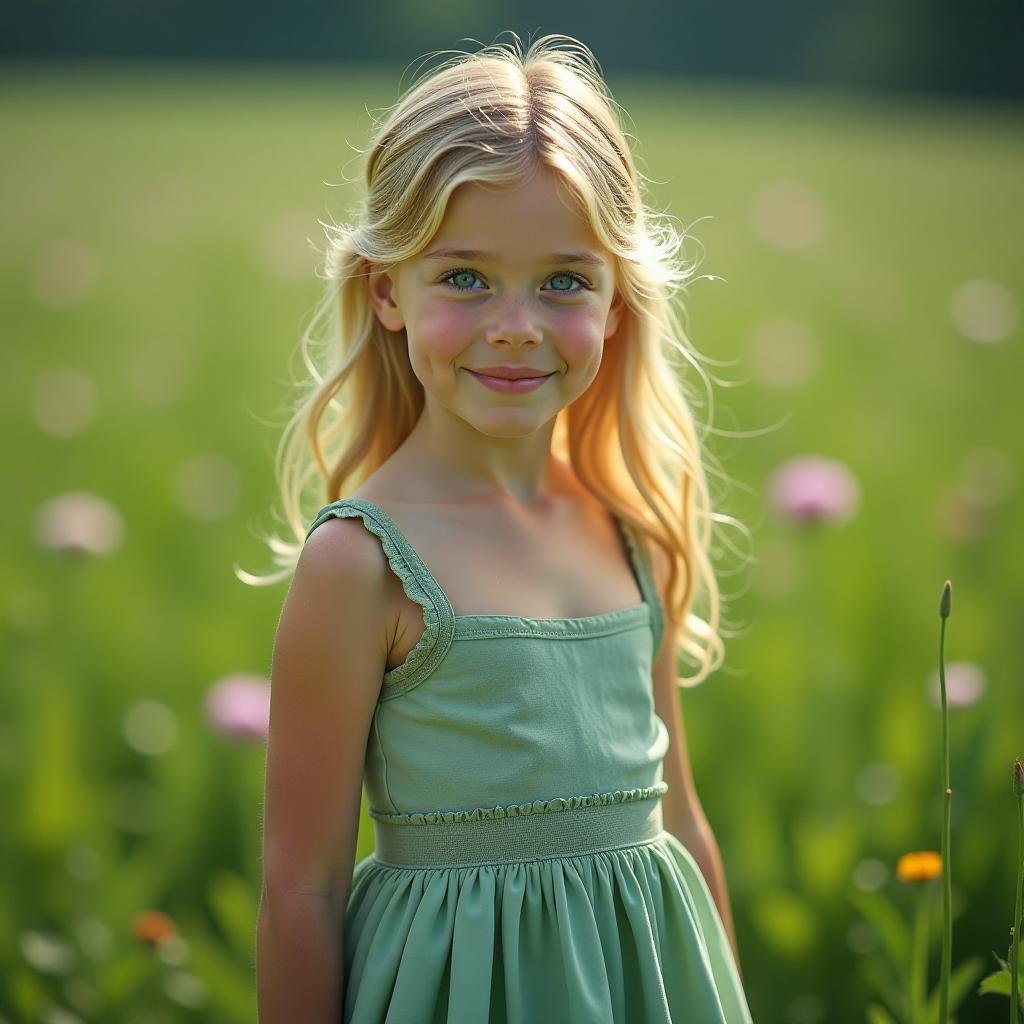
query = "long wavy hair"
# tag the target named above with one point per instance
(493, 116)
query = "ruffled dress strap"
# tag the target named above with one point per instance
(643, 567)
(419, 585)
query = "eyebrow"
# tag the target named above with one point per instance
(581, 256)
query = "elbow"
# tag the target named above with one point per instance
(282, 902)
(299, 960)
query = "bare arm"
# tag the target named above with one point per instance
(329, 657)
(699, 839)
(684, 815)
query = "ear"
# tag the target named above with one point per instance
(615, 312)
(381, 287)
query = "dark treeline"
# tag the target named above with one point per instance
(933, 46)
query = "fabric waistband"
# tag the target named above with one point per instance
(568, 833)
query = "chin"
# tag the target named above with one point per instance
(507, 426)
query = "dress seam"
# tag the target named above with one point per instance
(485, 633)
(520, 860)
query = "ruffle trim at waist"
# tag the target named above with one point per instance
(570, 803)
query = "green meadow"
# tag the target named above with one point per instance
(856, 294)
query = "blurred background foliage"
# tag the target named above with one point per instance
(943, 46)
(859, 289)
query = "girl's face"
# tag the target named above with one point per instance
(511, 278)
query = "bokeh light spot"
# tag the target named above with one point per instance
(64, 273)
(207, 487)
(783, 352)
(984, 311)
(789, 214)
(64, 402)
(150, 727)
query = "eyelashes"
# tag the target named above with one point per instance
(584, 284)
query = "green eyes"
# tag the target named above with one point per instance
(464, 272)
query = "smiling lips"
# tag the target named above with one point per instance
(510, 372)
(511, 380)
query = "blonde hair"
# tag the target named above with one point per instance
(493, 116)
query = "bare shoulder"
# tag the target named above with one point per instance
(328, 664)
(339, 597)
(341, 552)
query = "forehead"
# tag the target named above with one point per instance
(536, 216)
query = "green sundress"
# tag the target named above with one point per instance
(521, 872)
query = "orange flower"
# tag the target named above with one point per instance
(153, 927)
(919, 866)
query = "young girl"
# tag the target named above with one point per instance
(484, 630)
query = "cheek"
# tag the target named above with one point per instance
(580, 340)
(441, 334)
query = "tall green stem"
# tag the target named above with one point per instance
(1018, 786)
(947, 796)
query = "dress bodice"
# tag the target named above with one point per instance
(490, 712)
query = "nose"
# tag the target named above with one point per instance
(514, 321)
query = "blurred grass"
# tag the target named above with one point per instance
(191, 193)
